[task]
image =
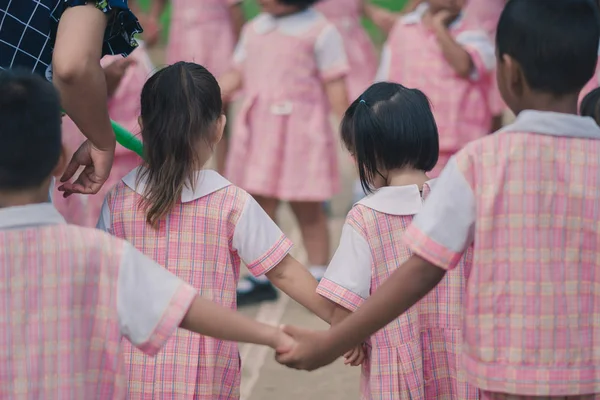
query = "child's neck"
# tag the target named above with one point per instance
(566, 104)
(23, 197)
(406, 176)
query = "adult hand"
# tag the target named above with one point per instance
(97, 164)
(310, 352)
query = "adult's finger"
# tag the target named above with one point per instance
(70, 170)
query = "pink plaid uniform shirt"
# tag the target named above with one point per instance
(68, 294)
(416, 356)
(528, 200)
(203, 240)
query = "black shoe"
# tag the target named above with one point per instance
(260, 291)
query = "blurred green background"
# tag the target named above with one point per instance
(252, 9)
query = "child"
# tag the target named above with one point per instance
(526, 199)
(205, 32)
(291, 64)
(391, 132)
(590, 105)
(437, 51)
(126, 78)
(198, 226)
(64, 40)
(346, 16)
(69, 293)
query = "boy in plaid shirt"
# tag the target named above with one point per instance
(527, 200)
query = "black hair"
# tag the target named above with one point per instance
(554, 41)
(390, 126)
(179, 107)
(590, 105)
(301, 4)
(30, 130)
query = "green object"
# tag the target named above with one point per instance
(127, 139)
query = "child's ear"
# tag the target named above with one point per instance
(59, 169)
(516, 79)
(221, 122)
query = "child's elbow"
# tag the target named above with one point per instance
(68, 71)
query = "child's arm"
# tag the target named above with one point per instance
(296, 281)
(337, 94)
(210, 319)
(382, 18)
(453, 52)
(82, 85)
(230, 83)
(238, 19)
(151, 22)
(115, 72)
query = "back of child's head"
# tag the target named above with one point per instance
(390, 127)
(284, 7)
(180, 113)
(555, 42)
(30, 130)
(590, 105)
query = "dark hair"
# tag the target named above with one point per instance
(30, 130)
(390, 126)
(301, 4)
(180, 105)
(554, 41)
(590, 105)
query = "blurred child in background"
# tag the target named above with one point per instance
(437, 50)
(291, 64)
(391, 133)
(346, 16)
(125, 79)
(204, 32)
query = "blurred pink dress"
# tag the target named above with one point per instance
(346, 16)
(123, 107)
(202, 31)
(283, 145)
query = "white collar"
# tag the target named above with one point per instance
(553, 123)
(415, 17)
(290, 24)
(30, 215)
(397, 200)
(207, 182)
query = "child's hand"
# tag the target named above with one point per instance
(442, 18)
(151, 28)
(115, 71)
(283, 343)
(355, 357)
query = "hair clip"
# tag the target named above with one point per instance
(362, 101)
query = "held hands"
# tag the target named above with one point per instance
(310, 352)
(355, 357)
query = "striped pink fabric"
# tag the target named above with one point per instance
(362, 60)
(417, 61)
(60, 329)
(201, 31)
(194, 243)
(503, 396)
(417, 355)
(532, 318)
(283, 145)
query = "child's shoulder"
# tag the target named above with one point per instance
(80, 239)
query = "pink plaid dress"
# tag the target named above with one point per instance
(416, 356)
(203, 241)
(283, 145)
(527, 199)
(124, 108)
(413, 57)
(68, 295)
(202, 32)
(362, 60)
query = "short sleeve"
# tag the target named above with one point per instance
(105, 219)
(443, 230)
(347, 281)
(258, 240)
(151, 301)
(383, 72)
(239, 53)
(330, 54)
(481, 49)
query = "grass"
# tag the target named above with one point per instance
(251, 9)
